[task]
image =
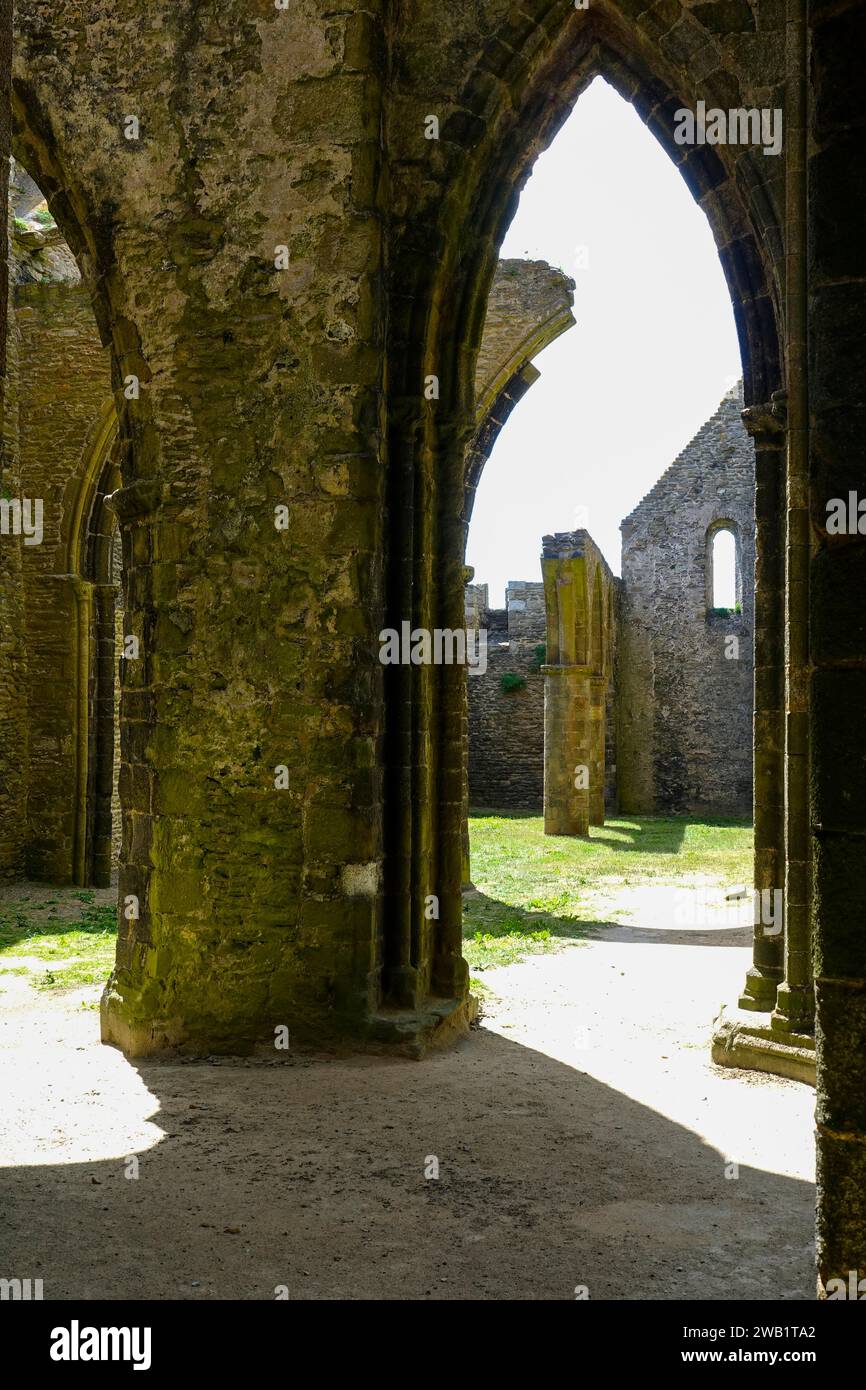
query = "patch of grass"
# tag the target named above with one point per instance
(498, 933)
(71, 976)
(535, 891)
(74, 952)
(49, 939)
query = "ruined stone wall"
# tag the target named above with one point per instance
(13, 660)
(684, 709)
(13, 652)
(506, 727)
(678, 735)
(64, 384)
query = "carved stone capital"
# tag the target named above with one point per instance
(137, 500)
(767, 422)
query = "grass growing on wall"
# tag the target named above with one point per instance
(534, 892)
(510, 680)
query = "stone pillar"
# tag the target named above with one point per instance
(573, 691)
(567, 749)
(567, 691)
(466, 864)
(597, 712)
(276, 881)
(837, 247)
(102, 739)
(795, 997)
(765, 424)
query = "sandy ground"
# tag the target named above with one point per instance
(584, 1141)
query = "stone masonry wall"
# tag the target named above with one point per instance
(684, 709)
(506, 727)
(64, 384)
(13, 659)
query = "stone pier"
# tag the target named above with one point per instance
(577, 585)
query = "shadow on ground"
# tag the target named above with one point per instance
(644, 834)
(311, 1175)
(497, 918)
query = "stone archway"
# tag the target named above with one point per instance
(493, 122)
(62, 431)
(529, 307)
(95, 570)
(307, 391)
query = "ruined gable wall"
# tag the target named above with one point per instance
(684, 710)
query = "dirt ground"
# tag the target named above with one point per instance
(586, 1145)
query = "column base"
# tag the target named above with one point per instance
(794, 1011)
(415, 1032)
(759, 991)
(576, 830)
(740, 1041)
(127, 1024)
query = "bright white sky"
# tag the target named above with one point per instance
(653, 351)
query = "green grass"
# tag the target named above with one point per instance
(71, 953)
(535, 891)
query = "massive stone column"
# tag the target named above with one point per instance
(291, 856)
(837, 617)
(766, 425)
(252, 521)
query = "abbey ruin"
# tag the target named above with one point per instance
(257, 345)
(674, 671)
